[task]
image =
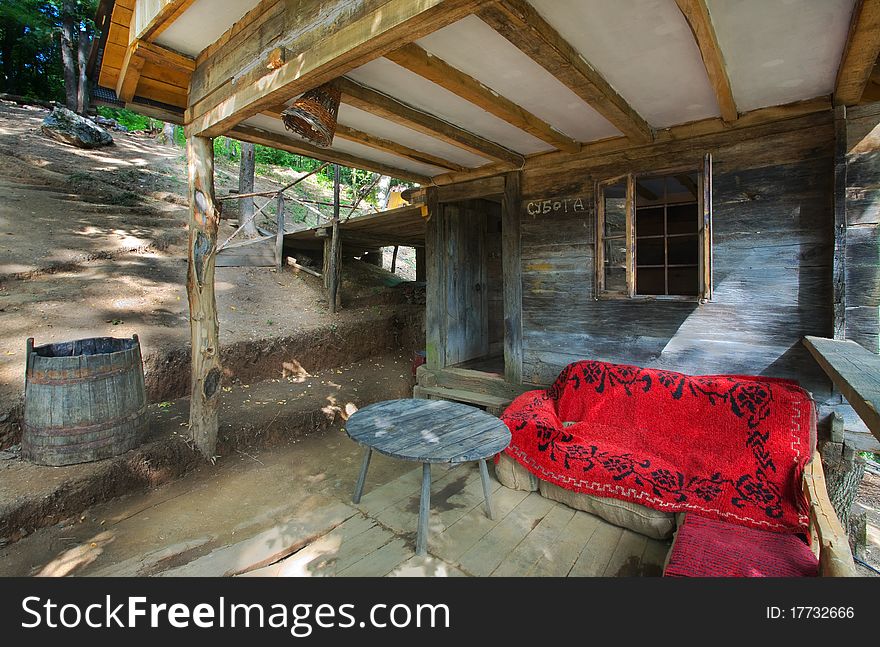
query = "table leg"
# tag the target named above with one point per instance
(484, 476)
(424, 511)
(362, 477)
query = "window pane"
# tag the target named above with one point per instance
(615, 279)
(682, 187)
(684, 250)
(651, 281)
(649, 222)
(614, 196)
(682, 219)
(615, 252)
(649, 191)
(649, 251)
(683, 281)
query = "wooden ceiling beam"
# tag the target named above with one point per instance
(386, 107)
(129, 73)
(322, 40)
(417, 60)
(378, 143)
(622, 146)
(254, 135)
(523, 26)
(166, 57)
(860, 53)
(152, 17)
(696, 13)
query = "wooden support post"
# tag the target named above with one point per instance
(333, 268)
(420, 264)
(838, 264)
(512, 281)
(279, 236)
(394, 260)
(325, 269)
(435, 292)
(204, 325)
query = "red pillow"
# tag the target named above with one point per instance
(708, 548)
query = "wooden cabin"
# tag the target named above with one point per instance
(689, 184)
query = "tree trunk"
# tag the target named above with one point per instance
(246, 185)
(82, 88)
(204, 325)
(844, 470)
(68, 54)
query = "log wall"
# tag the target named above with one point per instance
(862, 218)
(773, 241)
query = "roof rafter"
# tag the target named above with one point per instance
(254, 135)
(696, 13)
(129, 73)
(386, 107)
(860, 53)
(152, 17)
(366, 31)
(354, 135)
(523, 26)
(417, 60)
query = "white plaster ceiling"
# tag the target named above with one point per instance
(203, 23)
(779, 51)
(387, 129)
(416, 91)
(502, 67)
(353, 148)
(644, 49)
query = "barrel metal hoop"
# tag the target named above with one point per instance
(60, 378)
(69, 431)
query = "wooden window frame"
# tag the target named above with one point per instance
(705, 261)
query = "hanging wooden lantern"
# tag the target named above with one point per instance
(313, 115)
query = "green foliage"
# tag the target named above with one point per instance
(30, 48)
(133, 121)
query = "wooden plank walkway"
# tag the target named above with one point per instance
(530, 536)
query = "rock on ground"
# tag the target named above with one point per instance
(68, 127)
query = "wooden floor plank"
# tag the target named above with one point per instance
(426, 566)
(597, 552)
(571, 542)
(627, 556)
(493, 548)
(380, 562)
(335, 551)
(377, 499)
(654, 557)
(541, 542)
(467, 531)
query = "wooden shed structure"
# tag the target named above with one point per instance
(692, 184)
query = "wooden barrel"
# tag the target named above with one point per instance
(84, 400)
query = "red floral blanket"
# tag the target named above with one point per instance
(727, 447)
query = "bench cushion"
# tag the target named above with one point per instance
(626, 514)
(710, 548)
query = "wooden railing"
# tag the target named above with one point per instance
(829, 540)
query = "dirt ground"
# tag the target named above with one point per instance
(277, 473)
(93, 243)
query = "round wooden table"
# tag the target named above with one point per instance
(427, 431)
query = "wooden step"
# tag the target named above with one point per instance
(493, 404)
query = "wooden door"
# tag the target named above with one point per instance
(465, 260)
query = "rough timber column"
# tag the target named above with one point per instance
(204, 326)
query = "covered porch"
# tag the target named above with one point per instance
(685, 187)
